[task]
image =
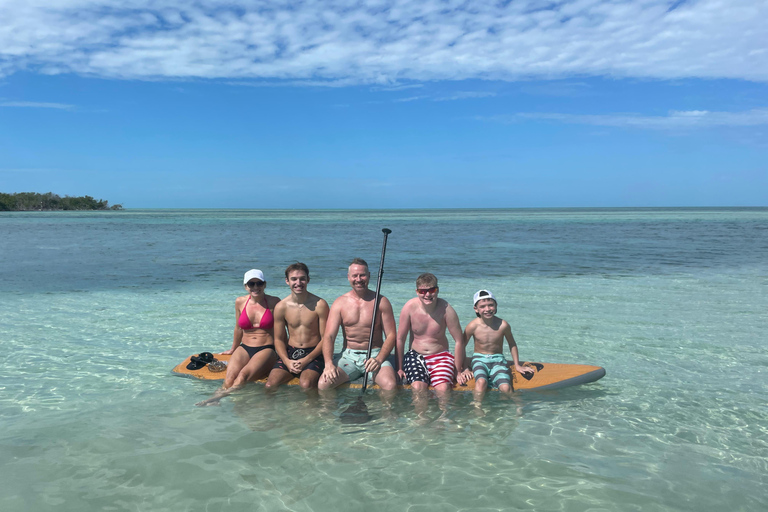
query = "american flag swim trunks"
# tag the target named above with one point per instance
(434, 369)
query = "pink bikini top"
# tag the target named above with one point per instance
(244, 322)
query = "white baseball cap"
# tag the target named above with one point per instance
(253, 274)
(483, 294)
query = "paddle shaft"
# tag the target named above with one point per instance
(376, 304)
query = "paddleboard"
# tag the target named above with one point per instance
(545, 376)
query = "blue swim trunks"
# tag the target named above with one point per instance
(491, 367)
(353, 362)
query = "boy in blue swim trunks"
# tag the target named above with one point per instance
(488, 362)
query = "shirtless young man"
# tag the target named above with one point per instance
(352, 312)
(488, 361)
(428, 362)
(304, 315)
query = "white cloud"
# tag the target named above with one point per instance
(464, 95)
(32, 104)
(675, 120)
(410, 98)
(386, 41)
(396, 88)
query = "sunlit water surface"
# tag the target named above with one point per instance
(96, 308)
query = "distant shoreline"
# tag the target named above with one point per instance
(557, 209)
(48, 202)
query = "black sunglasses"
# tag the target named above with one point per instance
(254, 284)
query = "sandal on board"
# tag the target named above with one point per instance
(200, 360)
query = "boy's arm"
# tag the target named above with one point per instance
(280, 336)
(322, 320)
(403, 331)
(329, 339)
(513, 350)
(454, 327)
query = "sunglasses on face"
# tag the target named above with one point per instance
(254, 284)
(424, 291)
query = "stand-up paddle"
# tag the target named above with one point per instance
(358, 412)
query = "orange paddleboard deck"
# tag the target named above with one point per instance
(545, 375)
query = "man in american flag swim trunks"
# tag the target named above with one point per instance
(428, 360)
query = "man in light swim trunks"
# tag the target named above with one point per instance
(353, 312)
(428, 360)
(300, 354)
(488, 362)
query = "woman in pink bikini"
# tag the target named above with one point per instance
(253, 348)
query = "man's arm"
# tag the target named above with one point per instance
(513, 349)
(389, 331)
(468, 333)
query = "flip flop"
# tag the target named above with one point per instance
(195, 363)
(200, 360)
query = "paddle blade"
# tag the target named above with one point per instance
(356, 413)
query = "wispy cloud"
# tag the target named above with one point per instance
(465, 95)
(410, 98)
(460, 95)
(33, 104)
(675, 120)
(385, 42)
(397, 87)
(345, 82)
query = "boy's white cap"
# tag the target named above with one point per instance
(253, 274)
(486, 294)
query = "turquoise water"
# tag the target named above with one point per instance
(96, 308)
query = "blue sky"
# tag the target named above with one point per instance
(386, 104)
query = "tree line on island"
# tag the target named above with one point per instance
(32, 201)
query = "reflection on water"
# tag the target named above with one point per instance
(671, 302)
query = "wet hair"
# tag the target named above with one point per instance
(426, 279)
(297, 266)
(484, 295)
(359, 261)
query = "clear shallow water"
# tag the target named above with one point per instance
(95, 308)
